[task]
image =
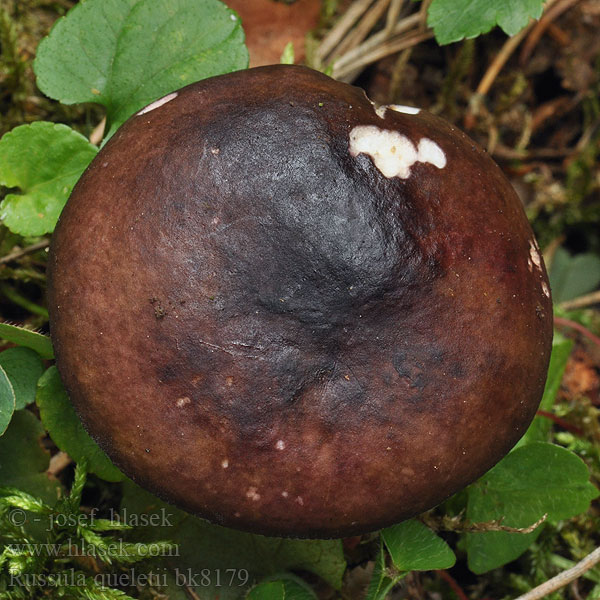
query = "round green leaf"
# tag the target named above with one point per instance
(24, 367)
(7, 401)
(44, 160)
(532, 480)
(125, 54)
(23, 460)
(273, 590)
(27, 338)
(415, 547)
(65, 428)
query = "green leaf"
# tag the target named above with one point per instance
(24, 367)
(27, 338)
(44, 160)
(381, 583)
(294, 587)
(287, 56)
(539, 430)
(273, 590)
(248, 557)
(414, 547)
(531, 481)
(7, 400)
(124, 54)
(454, 20)
(24, 461)
(573, 276)
(66, 430)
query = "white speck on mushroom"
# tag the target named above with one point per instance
(408, 110)
(545, 289)
(299, 500)
(285, 494)
(224, 463)
(430, 152)
(181, 402)
(158, 103)
(535, 256)
(530, 265)
(253, 494)
(393, 153)
(380, 111)
(280, 445)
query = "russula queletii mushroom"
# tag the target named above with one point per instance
(291, 312)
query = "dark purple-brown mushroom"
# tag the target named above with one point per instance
(291, 312)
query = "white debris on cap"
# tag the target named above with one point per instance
(380, 111)
(158, 103)
(393, 153)
(408, 110)
(430, 152)
(545, 289)
(535, 255)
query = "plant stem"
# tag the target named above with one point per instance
(11, 294)
(563, 578)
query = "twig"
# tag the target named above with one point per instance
(499, 61)
(98, 133)
(357, 35)
(339, 30)
(59, 462)
(507, 153)
(494, 69)
(387, 48)
(460, 593)
(564, 424)
(27, 250)
(15, 297)
(457, 524)
(398, 73)
(563, 578)
(541, 26)
(375, 40)
(392, 16)
(423, 13)
(581, 302)
(191, 593)
(578, 327)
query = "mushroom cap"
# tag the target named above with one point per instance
(290, 312)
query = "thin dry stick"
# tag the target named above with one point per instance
(18, 253)
(577, 327)
(339, 30)
(505, 53)
(376, 40)
(563, 578)
(581, 302)
(499, 61)
(98, 133)
(387, 48)
(392, 16)
(59, 462)
(542, 25)
(357, 35)
(423, 13)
